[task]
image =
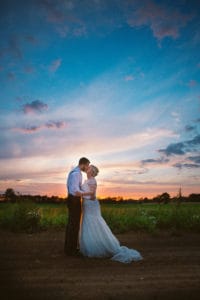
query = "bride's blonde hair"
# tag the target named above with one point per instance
(95, 170)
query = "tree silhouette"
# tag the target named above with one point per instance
(163, 198)
(10, 195)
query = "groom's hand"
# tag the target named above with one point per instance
(92, 196)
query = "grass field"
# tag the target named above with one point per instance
(30, 217)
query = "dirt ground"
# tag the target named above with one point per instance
(33, 266)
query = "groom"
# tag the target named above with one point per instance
(75, 193)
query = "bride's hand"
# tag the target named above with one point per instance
(92, 196)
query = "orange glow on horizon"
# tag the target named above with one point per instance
(126, 192)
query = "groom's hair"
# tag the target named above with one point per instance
(83, 161)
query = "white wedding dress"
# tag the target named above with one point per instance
(96, 238)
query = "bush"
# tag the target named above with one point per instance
(26, 217)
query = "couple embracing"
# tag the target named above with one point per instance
(87, 233)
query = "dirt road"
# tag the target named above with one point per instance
(35, 267)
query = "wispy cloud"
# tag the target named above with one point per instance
(176, 116)
(137, 182)
(157, 161)
(129, 78)
(192, 83)
(55, 65)
(48, 125)
(35, 106)
(30, 129)
(187, 165)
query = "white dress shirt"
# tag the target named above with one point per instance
(74, 181)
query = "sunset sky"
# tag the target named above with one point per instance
(117, 81)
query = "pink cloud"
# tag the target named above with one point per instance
(129, 78)
(55, 65)
(163, 21)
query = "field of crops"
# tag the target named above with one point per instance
(31, 217)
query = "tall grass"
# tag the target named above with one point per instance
(30, 217)
(149, 217)
(53, 215)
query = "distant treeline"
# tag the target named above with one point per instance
(11, 196)
(163, 198)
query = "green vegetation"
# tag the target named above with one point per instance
(150, 217)
(30, 217)
(23, 216)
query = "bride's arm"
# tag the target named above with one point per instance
(93, 188)
(80, 194)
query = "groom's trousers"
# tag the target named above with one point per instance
(72, 228)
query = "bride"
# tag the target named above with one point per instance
(95, 237)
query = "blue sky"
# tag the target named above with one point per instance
(115, 81)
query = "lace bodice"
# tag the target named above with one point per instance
(86, 186)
